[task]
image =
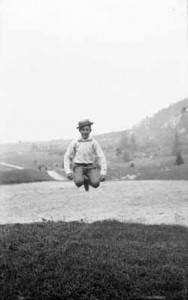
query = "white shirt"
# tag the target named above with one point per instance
(84, 151)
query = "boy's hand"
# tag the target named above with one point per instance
(70, 176)
(102, 177)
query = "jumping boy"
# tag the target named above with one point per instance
(83, 153)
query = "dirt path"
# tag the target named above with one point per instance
(11, 166)
(56, 176)
(149, 202)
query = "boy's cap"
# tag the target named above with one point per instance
(84, 123)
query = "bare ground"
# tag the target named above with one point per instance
(148, 202)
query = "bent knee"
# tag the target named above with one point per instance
(78, 182)
(95, 184)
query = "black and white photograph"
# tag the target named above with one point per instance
(94, 149)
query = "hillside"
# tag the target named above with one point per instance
(158, 133)
(161, 135)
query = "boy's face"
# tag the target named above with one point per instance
(85, 131)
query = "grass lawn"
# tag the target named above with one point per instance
(102, 260)
(23, 176)
(160, 168)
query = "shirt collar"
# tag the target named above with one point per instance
(84, 140)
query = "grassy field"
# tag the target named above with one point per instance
(159, 168)
(148, 202)
(102, 260)
(156, 168)
(27, 159)
(23, 176)
(98, 260)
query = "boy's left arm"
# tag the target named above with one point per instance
(102, 159)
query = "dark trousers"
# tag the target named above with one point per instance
(89, 171)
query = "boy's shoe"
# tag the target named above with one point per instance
(86, 183)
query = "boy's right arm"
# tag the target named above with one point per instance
(69, 155)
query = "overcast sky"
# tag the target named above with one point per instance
(113, 61)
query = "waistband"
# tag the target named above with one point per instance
(83, 165)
